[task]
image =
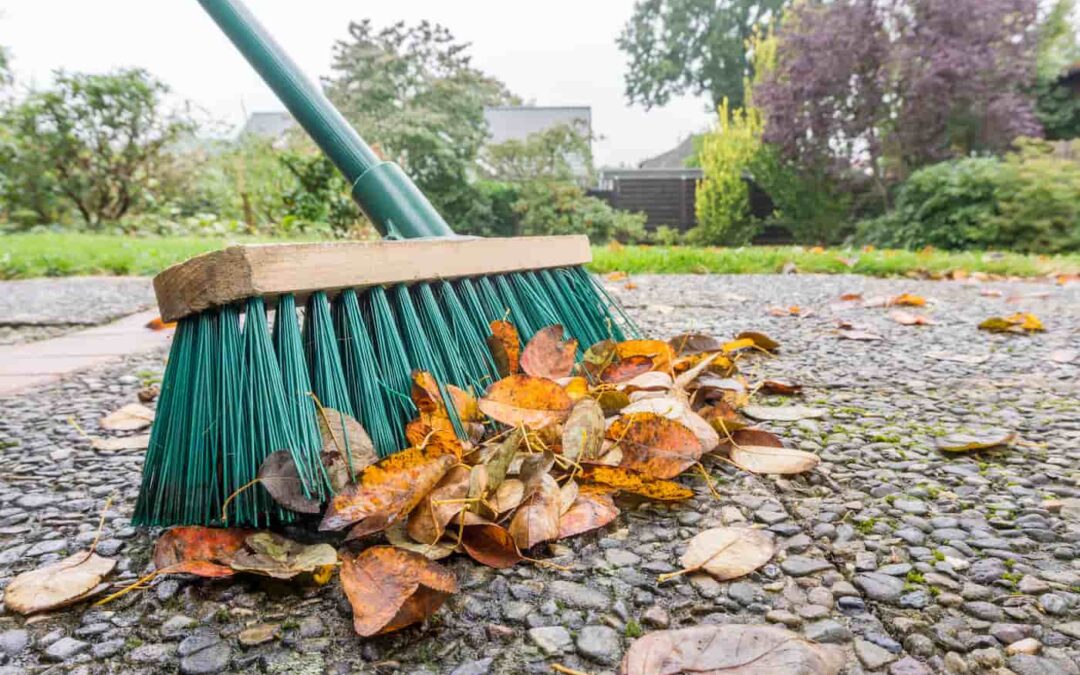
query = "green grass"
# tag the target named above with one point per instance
(66, 254)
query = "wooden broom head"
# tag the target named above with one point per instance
(267, 270)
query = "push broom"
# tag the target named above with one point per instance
(237, 388)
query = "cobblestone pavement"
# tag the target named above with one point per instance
(914, 560)
(37, 309)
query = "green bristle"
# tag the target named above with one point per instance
(494, 305)
(393, 362)
(228, 380)
(265, 424)
(437, 327)
(363, 378)
(323, 357)
(573, 320)
(199, 460)
(532, 301)
(289, 348)
(518, 316)
(598, 304)
(470, 335)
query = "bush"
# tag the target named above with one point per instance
(1028, 202)
(722, 199)
(563, 208)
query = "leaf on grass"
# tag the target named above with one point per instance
(627, 480)
(534, 402)
(909, 319)
(760, 340)
(57, 584)
(1017, 323)
(388, 490)
(342, 433)
(770, 460)
(140, 442)
(655, 445)
(583, 432)
(390, 588)
(505, 347)
(490, 545)
(132, 417)
(592, 509)
(660, 352)
(694, 343)
(983, 440)
(202, 551)
(728, 552)
(626, 369)
(537, 519)
(272, 555)
(733, 649)
(548, 354)
(680, 412)
(785, 413)
(278, 474)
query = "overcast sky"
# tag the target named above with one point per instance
(549, 52)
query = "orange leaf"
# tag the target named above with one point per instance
(157, 324)
(505, 346)
(655, 445)
(535, 402)
(490, 545)
(548, 355)
(627, 480)
(907, 300)
(428, 520)
(202, 551)
(390, 588)
(429, 399)
(626, 369)
(390, 489)
(591, 509)
(782, 388)
(660, 352)
(576, 388)
(909, 319)
(537, 519)
(760, 340)
(848, 297)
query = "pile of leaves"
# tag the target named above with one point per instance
(540, 456)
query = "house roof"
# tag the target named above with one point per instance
(516, 122)
(672, 159)
(270, 125)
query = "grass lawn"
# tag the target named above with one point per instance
(39, 255)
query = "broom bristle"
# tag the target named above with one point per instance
(229, 397)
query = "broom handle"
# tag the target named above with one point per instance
(386, 195)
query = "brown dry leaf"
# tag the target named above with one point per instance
(498, 462)
(724, 418)
(727, 552)
(592, 508)
(730, 649)
(759, 339)
(490, 545)
(397, 535)
(783, 413)
(390, 588)
(58, 584)
(660, 352)
(548, 354)
(982, 440)
(793, 310)
(769, 460)
(1017, 323)
(272, 555)
(203, 551)
(388, 490)
(534, 402)
(537, 519)
(567, 494)
(758, 437)
(505, 347)
(652, 381)
(279, 476)
(437, 508)
(132, 417)
(583, 432)
(909, 319)
(342, 434)
(780, 387)
(860, 335)
(140, 442)
(627, 480)
(626, 369)
(678, 411)
(907, 300)
(508, 496)
(655, 445)
(694, 343)
(598, 357)
(848, 297)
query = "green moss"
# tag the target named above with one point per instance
(915, 577)
(633, 629)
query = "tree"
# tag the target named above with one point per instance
(558, 153)
(97, 141)
(413, 92)
(1058, 106)
(722, 201)
(691, 46)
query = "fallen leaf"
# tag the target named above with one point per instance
(727, 552)
(724, 418)
(793, 310)
(907, 300)
(971, 359)
(490, 545)
(734, 649)
(769, 460)
(651, 381)
(272, 555)
(390, 588)
(737, 345)
(612, 401)
(537, 519)
(660, 352)
(583, 432)
(655, 445)
(279, 476)
(760, 340)
(548, 354)
(428, 397)
(508, 496)
(157, 324)
(140, 442)
(498, 462)
(784, 413)
(848, 297)
(678, 411)
(57, 584)
(983, 440)
(202, 551)
(591, 509)
(627, 480)
(598, 357)
(751, 437)
(860, 335)
(990, 293)
(780, 387)
(576, 388)
(388, 490)
(626, 369)
(397, 536)
(909, 319)
(694, 343)
(347, 449)
(1017, 323)
(505, 347)
(534, 402)
(428, 520)
(132, 417)
(149, 393)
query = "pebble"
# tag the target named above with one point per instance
(873, 656)
(13, 642)
(551, 639)
(600, 644)
(65, 648)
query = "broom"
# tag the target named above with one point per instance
(236, 390)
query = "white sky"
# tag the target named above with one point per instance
(549, 52)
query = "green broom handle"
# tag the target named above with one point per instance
(387, 196)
